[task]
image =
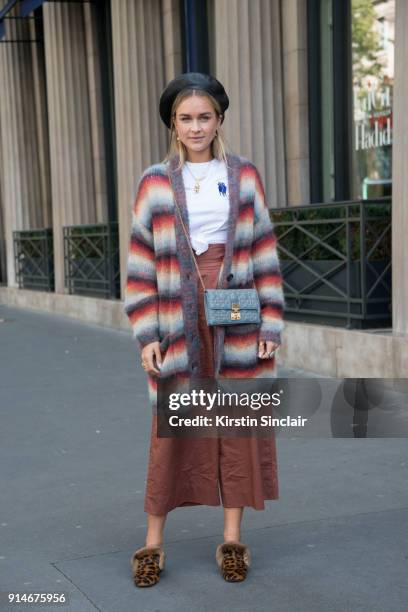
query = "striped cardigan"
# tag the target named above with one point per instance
(161, 285)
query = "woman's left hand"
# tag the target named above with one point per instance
(267, 349)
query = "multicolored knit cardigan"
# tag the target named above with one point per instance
(161, 287)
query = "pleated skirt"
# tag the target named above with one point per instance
(234, 471)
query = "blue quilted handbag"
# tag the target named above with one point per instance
(227, 306)
(231, 306)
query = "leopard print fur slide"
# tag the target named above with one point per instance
(147, 563)
(233, 558)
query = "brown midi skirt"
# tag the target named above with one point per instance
(196, 471)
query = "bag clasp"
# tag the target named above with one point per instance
(235, 313)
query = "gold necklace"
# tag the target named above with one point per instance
(197, 185)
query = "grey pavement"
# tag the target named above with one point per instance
(75, 426)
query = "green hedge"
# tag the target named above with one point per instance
(377, 217)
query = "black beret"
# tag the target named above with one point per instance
(191, 80)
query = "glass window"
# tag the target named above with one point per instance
(373, 80)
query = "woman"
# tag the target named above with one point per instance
(221, 200)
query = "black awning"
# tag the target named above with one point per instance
(28, 6)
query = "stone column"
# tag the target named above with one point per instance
(73, 122)
(294, 48)
(248, 62)
(3, 256)
(400, 175)
(96, 112)
(25, 160)
(172, 39)
(144, 57)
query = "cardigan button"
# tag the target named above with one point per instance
(230, 276)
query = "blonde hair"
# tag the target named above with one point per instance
(219, 147)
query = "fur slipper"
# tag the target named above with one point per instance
(233, 558)
(147, 563)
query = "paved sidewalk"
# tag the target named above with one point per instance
(75, 427)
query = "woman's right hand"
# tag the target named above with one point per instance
(150, 354)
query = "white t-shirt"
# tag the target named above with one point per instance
(209, 208)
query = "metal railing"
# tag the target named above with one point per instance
(336, 262)
(91, 260)
(34, 259)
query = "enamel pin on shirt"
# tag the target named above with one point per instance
(222, 188)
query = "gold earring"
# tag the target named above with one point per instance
(178, 139)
